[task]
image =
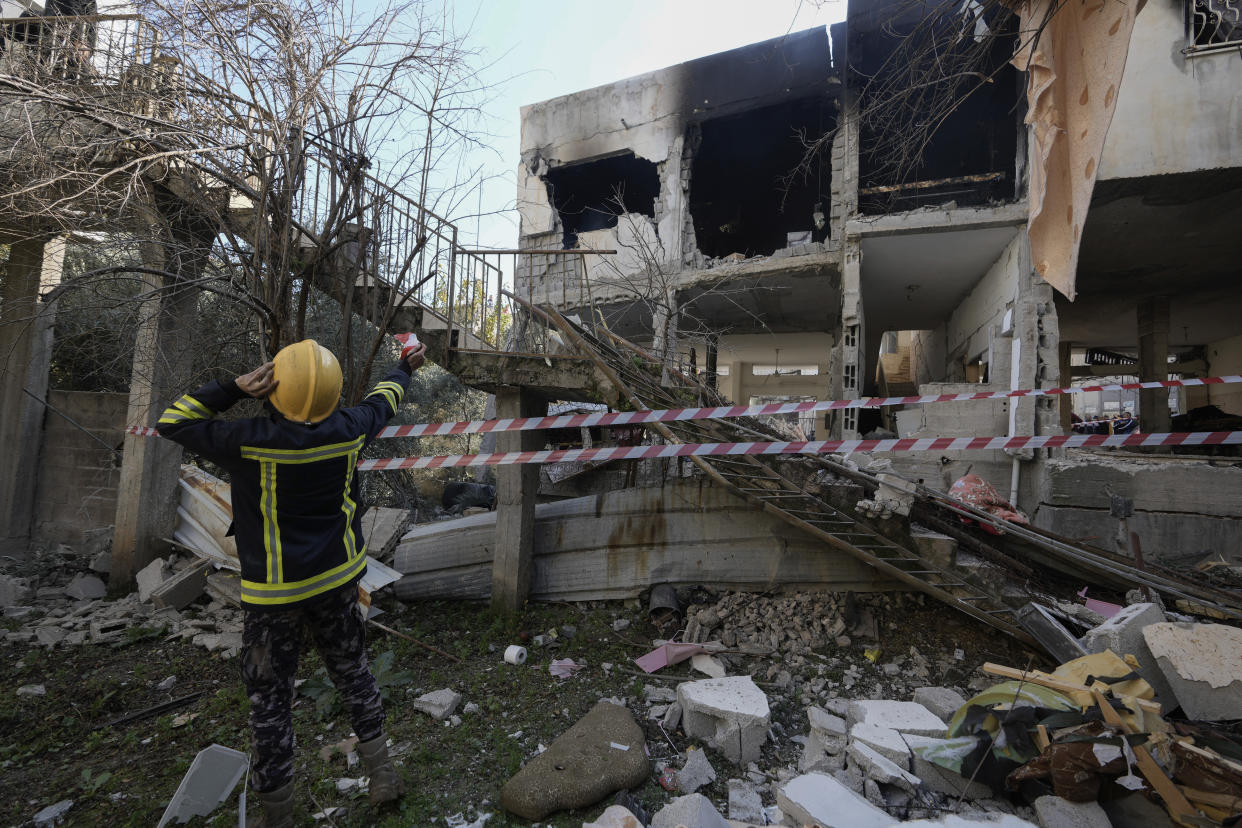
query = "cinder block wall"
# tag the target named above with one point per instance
(76, 488)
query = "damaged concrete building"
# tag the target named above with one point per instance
(767, 236)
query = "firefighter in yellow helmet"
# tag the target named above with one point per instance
(297, 519)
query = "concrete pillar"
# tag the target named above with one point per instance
(1153, 363)
(517, 486)
(163, 355)
(25, 354)
(853, 348)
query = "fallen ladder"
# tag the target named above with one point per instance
(759, 480)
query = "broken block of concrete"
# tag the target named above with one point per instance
(181, 589)
(212, 776)
(383, 527)
(13, 591)
(225, 587)
(880, 769)
(1055, 812)
(52, 814)
(50, 636)
(819, 799)
(942, 701)
(1203, 666)
(614, 816)
(585, 764)
(730, 714)
(86, 588)
(150, 577)
(696, 773)
(830, 729)
(745, 805)
(1123, 634)
(905, 717)
(694, 810)
(108, 632)
(883, 740)
(439, 704)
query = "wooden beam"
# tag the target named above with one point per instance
(1054, 683)
(517, 486)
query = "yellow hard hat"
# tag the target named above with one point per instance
(308, 382)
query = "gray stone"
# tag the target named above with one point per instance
(1203, 665)
(31, 690)
(50, 636)
(102, 563)
(672, 717)
(86, 587)
(696, 773)
(13, 591)
(581, 767)
(905, 717)
(693, 811)
(52, 814)
(880, 769)
(819, 799)
(167, 684)
(745, 805)
(1123, 634)
(439, 704)
(816, 757)
(150, 577)
(1055, 812)
(181, 589)
(730, 714)
(942, 701)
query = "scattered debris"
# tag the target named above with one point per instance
(1202, 664)
(86, 588)
(27, 690)
(212, 776)
(439, 704)
(564, 667)
(820, 799)
(730, 714)
(696, 772)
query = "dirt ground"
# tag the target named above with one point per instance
(62, 745)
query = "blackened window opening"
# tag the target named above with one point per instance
(591, 195)
(953, 137)
(746, 191)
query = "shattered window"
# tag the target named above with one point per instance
(591, 195)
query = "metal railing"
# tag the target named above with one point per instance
(1212, 26)
(97, 49)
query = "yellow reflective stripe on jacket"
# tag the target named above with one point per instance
(271, 526)
(390, 391)
(349, 507)
(186, 408)
(308, 455)
(256, 593)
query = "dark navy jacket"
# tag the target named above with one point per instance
(295, 491)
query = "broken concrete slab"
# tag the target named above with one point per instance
(708, 665)
(975, 820)
(1203, 666)
(180, 590)
(696, 772)
(382, 528)
(830, 729)
(730, 714)
(1123, 634)
(150, 577)
(86, 588)
(880, 769)
(212, 776)
(1055, 812)
(692, 811)
(31, 690)
(819, 799)
(942, 701)
(905, 717)
(883, 740)
(13, 591)
(439, 704)
(581, 767)
(745, 804)
(50, 636)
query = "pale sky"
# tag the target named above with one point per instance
(539, 49)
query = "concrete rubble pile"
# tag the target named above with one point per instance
(77, 612)
(1088, 744)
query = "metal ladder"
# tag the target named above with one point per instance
(759, 480)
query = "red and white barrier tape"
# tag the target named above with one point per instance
(605, 418)
(1197, 438)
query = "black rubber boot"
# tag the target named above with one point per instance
(275, 809)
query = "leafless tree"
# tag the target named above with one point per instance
(253, 151)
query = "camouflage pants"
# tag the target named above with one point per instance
(271, 643)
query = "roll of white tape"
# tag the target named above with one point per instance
(515, 654)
